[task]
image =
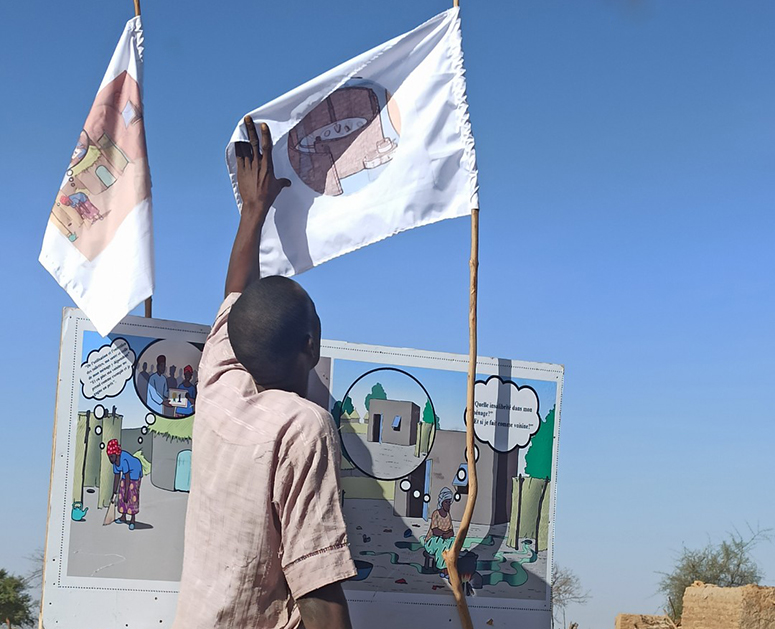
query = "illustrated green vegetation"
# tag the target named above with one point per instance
(425, 438)
(340, 409)
(377, 393)
(180, 429)
(538, 460)
(112, 424)
(427, 413)
(728, 564)
(529, 512)
(146, 463)
(16, 604)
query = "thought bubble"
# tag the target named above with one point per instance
(107, 369)
(505, 415)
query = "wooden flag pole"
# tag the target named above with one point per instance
(451, 555)
(149, 301)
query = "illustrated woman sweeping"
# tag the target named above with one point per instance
(127, 474)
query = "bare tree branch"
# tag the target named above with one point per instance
(566, 590)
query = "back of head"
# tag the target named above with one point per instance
(269, 325)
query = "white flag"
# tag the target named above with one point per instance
(376, 146)
(99, 238)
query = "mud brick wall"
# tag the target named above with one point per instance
(712, 607)
(642, 621)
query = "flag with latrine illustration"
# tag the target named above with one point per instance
(378, 145)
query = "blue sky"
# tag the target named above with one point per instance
(626, 152)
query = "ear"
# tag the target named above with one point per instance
(312, 349)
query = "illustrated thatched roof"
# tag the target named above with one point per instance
(180, 429)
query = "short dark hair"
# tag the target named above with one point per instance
(269, 325)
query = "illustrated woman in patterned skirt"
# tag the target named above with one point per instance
(441, 533)
(127, 474)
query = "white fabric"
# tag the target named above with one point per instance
(105, 261)
(429, 176)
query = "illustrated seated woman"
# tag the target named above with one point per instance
(441, 533)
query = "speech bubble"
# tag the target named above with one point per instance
(505, 414)
(106, 370)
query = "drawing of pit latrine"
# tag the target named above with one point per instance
(344, 135)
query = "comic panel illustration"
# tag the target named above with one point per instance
(108, 172)
(404, 473)
(132, 456)
(405, 478)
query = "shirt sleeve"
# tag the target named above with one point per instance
(218, 354)
(315, 551)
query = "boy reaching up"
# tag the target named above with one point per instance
(265, 541)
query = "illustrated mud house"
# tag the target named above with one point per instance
(393, 421)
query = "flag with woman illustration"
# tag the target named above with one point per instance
(98, 242)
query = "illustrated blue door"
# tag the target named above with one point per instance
(183, 471)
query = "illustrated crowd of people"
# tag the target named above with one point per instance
(168, 395)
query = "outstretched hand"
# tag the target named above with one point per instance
(258, 188)
(256, 181)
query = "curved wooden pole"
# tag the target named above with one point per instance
(451, 555)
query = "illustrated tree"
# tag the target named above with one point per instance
(377, 393)
(538, 460)
(728, 564)
(340, 408)
(15, 602)
(427, 413)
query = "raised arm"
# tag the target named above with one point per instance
(258, 188)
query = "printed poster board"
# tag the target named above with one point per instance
(404, 478)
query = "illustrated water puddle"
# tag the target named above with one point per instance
(491, 571)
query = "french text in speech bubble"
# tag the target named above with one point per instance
(107, 369)
(505, 415)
